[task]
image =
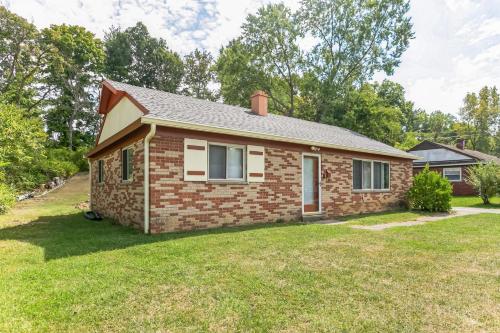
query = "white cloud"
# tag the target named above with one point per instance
(456, 50)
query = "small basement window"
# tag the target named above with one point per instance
(453, 174)
(226, 162)
(100, 171)
(127, 164)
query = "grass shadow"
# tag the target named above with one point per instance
(72, 235)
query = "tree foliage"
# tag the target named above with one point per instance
(485, 179)
(133, 56)
(480, 117)
(354, 40)
(22, 61)
(199, 75)
(76, 60)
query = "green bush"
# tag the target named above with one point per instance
(7, 198)
(430, 192)
(485, 178)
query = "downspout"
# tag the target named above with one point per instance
(147, 140)
(90, 183)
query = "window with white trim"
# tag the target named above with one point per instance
(100, 171)
(127, 164)
(370, 175)
(453, 174)
(226, 162)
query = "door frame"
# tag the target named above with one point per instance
(320, 206)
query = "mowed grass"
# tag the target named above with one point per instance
(59, 272)
(382, 218)
(474, 201)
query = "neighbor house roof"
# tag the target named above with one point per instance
(469, 156)
(175, 110)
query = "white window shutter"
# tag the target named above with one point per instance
(195, 160)
(255, 164)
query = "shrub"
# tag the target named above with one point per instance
(7, 198)
(485, 178)
(430, 192)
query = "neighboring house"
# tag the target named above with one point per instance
(166, 162)
(450, 161)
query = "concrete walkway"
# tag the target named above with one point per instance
(456, 211)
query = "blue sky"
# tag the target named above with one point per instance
(456, 49)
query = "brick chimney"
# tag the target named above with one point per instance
(461, 144)
(259, 103)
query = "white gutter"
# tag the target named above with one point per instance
(147, 140)
(250, 134)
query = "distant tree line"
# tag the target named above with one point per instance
(316, 63)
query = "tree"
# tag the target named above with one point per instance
(368, 114)
(265, 57)
(480, 117)
(485, 180)
(354, 40)
(238, 78)
(22, 61)
(75, 65)
(439, 126)
(272, 36)
(199, 75)
(22, 140)
(134, 57)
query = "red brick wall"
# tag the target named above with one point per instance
(459, 188)
(114, 198)
(179, 205)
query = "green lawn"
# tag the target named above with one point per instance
(381, 218)
(59, 272)
(474, 201)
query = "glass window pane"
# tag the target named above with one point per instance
(367, 175)
(452, 174)
(124, 164)
(377, 175)
(235, 163)
(308, 181)
(356, 174)
(386, 176)
(130, 163)
(217, 162)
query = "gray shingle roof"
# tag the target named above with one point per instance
(172, 107)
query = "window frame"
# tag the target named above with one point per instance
(244, 162)
(100, 171)
(130, 173)
(371, 189)
(453, 169)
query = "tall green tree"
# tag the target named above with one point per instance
(22, 61)
(76, 60)
(269, 56)
(273, 35)
(134, 56)
(354, 39)
(480, 115)
(367, 113)
(199, 75)
(237, 77)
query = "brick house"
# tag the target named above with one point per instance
(165, 162)
(450, 161)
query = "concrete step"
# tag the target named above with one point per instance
(312, 217)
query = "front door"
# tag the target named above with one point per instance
(310, 183)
